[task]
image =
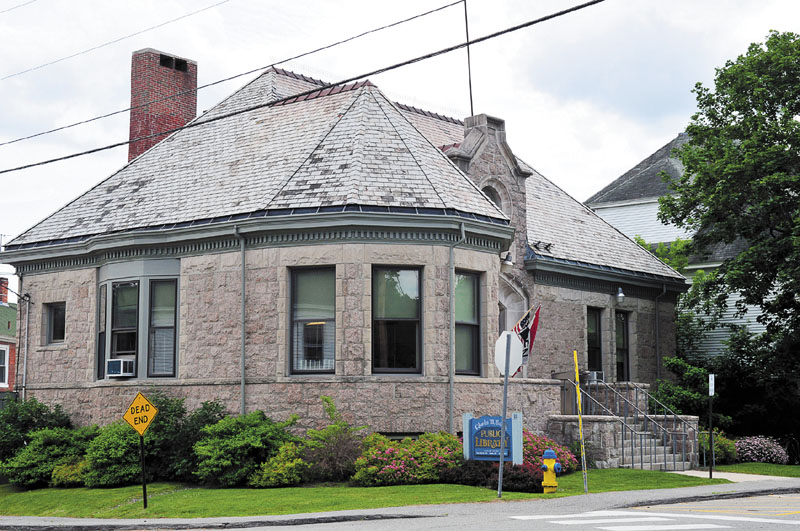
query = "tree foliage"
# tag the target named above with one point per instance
(741, 183)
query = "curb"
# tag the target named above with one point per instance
(718, 496)
(201, 524)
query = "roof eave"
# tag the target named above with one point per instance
(283, 224)
(536, 262)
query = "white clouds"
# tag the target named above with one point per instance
(585, 96)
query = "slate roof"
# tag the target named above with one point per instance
(344, 146)
(561, 229)
(644, 180)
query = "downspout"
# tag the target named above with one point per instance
(658, 332)
(27, 298)
(452, 357)
(242, 241)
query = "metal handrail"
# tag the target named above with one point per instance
(658, 431)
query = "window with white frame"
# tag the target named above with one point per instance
(313, 306)
(4, 361)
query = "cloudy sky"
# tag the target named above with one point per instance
(585, 96)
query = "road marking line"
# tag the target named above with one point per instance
(786, 514)
(575, 515)
(726, 518)
(663, 527)
(613, 520)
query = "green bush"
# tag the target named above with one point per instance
(231, 450)
(526, 477)
(113, 457)
(170, 439)
(406, 462)
(332, 451)
(285, 469)
(32, 466)
(69, 473)
(724, 448)
(184, 462)
(18, 419)
(472, 473)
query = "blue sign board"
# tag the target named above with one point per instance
(482, 438)
(484, 435)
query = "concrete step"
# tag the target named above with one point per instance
(670, 466)
(656, 458)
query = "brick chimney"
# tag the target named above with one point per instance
(3, 290)
(154, 76)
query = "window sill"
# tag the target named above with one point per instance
(53, 346)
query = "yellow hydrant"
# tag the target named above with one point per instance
(551, 470)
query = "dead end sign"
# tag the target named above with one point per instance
(140, 413)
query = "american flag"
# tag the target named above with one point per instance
(526, 331)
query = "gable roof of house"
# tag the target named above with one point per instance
(338, 147)
(644, 180)
(8, 322)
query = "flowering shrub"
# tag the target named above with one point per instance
(387, 462)
(761, 449)
(535, 445)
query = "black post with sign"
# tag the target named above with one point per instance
(139, 415)
(144, 480)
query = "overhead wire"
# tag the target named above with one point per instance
(202, 121)
(113, 42)
(17, 6)
(235, 76)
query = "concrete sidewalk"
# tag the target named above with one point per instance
(730, 476)
(743, 487)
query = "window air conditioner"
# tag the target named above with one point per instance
(119, 368)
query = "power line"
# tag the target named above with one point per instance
(16, 6)
(288, 59)
(112, 42)
(317, 89)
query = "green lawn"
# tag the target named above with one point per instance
(173, 500)
(765, 469)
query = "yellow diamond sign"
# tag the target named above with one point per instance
(140, 413)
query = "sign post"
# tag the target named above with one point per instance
(580, 421)
(508, 364)
(139, 415)
(711, 423)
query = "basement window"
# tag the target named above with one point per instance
(167, 61)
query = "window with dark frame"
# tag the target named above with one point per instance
(56, 321)
(396, 326)
(467, 323)
(163, 315)
(124, 318)
(101, 332)
(594, 339)
(313, 307)
(621, 329)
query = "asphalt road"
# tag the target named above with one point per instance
(766, 504)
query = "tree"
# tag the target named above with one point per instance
(741, 183)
